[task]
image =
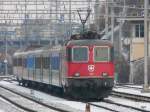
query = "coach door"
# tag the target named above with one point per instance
(45, 63)
(19, 69)
(55, 68)
(30, 66)
(25, 70)
(23, 66)
(38, 63)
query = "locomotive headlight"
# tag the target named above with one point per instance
(77, 74)
(104, 74)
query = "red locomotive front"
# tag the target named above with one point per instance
(90, 68)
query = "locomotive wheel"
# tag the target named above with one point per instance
(23, 83)
(20, 83)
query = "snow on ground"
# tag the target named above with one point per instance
(8, 107)
(2, 111)
(115, 107)
(51, 99)
(137, 86)
(140, 105)
(81, 106)
(132, 91)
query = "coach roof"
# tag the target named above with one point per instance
(90, 42)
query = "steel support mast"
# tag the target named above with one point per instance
(5, 61)
(106, 17)
(112, 23)
(145, 46)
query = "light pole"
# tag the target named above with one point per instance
(146, 41)
(112, 23)
(70, 19)
(106, 17)
(5, 61)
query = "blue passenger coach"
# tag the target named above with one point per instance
(40, 66)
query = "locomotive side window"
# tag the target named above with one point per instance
(80, 54)
(112, 54)
(69, 54)
(101, 54)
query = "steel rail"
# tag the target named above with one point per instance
(16, 104)
(104, 107)
(131, 96)
(122, 105)
(32, 99)
(118, 104)
(126, 86)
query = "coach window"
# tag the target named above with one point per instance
(24, 62)
(19, 61)
(80, 54)
(15, 61)
(37, 62)
(101, 54)
(46, 63)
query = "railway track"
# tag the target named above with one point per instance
(15, 98)
(128, 86)
(131, 96)
(96, 104)
(119, 105)
(28, 97)
(104, 107)
(126, 96)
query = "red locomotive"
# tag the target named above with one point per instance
(83, 68)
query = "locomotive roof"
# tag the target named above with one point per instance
(90, 42)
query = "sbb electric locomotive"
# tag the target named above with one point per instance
(82, 68)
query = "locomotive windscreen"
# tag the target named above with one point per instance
(101, 54)
(80, 54)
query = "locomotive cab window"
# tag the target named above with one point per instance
(101, 54)
(80, 54)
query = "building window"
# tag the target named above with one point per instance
(139, 31)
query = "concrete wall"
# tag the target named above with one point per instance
(137, 49)
(138, 71)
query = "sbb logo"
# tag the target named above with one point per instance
(91, 68)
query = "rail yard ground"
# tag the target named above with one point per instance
(112, 103)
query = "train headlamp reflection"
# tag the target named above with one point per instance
(77, 74)
(104, 74)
